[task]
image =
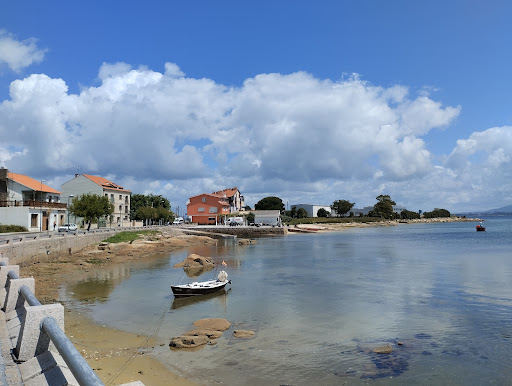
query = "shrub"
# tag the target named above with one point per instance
(12, 228)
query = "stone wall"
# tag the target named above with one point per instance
(27, 248)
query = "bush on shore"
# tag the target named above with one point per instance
(12, 228)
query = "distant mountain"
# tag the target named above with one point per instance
(506, 210)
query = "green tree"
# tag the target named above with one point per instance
(322, 213)
(342, 206)
(270, 203)
(91, 207)
(161, 205)
(293, 212)
(384, 207)
(302, 213)
(437, 213)
(250, 218)
(408, 215)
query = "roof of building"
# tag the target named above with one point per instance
(211, 195)
(104, 183)
(31, 183)
(230, 192)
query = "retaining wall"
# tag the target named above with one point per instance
(27, 248)
(241, 231)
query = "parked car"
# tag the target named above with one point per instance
(68, 228)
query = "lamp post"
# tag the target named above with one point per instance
(70, 196)
(41, 208)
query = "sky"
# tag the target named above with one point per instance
(311, 102)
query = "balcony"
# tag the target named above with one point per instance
(33, 204)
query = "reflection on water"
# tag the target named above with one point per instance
(439, 295)
(219, 296)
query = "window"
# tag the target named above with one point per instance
(213, 209)
(33, 220)
(200, 209)
(120, 197)
(211, 218)
(204, 199)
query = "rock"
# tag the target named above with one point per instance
(196, 261)
(385, 349)
(213, 324)
(188, 341)
(243, 333)
(246, 241)
(212, 334)
(104, 246)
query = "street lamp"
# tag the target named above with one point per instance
(41, 208)
(70, 196)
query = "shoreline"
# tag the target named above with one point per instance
(117, 355)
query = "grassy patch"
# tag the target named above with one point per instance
(126, 237)
(334, 220)
(12, 228)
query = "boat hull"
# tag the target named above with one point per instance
(198, 289)
(480, 228)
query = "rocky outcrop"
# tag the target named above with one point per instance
(213, 324)
(189, 341)
(194, 265)
(243, 334)
(206, 331)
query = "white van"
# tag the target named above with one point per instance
(234, 221)
(178, 221)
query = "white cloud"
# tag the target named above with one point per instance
(17, 54)
(295, 136)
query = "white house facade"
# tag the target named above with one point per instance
(117, 195)
(30, 203)
(312, 209)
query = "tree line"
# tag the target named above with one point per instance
(384, 208)
(151, 209)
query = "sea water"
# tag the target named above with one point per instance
(439, 294)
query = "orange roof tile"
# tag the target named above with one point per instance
(230, 192)
(31, 183)
(103, 182)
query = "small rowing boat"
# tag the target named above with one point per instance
(203, 287)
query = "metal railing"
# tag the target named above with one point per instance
(76, 363)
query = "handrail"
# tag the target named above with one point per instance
(78, 366)
(75, 361)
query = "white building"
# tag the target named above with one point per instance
(267, 217)
(117, 195)
(312, 209)
(30, 203)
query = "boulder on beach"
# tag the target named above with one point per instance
(189, 341)
(213, 324)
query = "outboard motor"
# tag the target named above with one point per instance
(222, 276)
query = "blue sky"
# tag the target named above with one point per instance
(311, 102)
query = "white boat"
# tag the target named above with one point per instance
(203, 287)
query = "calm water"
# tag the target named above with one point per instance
(319, 303)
